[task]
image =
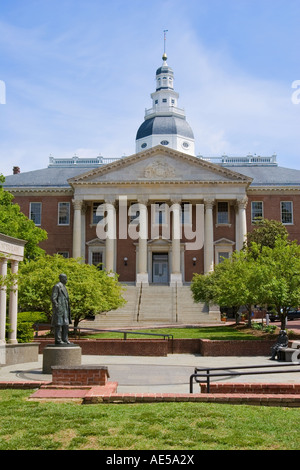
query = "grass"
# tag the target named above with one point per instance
(30, 425)
(232, 332)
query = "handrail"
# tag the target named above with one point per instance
(230, 371)
(125, 332)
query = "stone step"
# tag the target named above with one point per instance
(153, 305)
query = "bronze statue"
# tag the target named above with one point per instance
(61, 317)
(282, 342)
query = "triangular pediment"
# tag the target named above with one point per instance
(159, 165)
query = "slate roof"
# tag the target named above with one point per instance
(58, 177)
(268, 175)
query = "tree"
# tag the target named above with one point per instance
(280, 273)
(235, 282)
(266, 232)
(91, 290)
(15, 224)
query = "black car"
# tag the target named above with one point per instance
(293, 315)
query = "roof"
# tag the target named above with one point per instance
(167, 125)
(269, 175)
(58, 177)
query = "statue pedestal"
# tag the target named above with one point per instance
(60, 355)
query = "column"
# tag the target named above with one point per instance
(241, 222)
(208, 236)
(176, 275)
(142, 276)
(110, 240)
(13, 305)
(77, 228)
(3, 273)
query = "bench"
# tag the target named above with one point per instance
(291, 353)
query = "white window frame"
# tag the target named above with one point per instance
(262, 210)
(101, 217)
(38, 225)
(292, 212)
(97, 249)
(228, 213)
(58, 214)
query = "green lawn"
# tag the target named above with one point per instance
(213, 333)
(28, 425)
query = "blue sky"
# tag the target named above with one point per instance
(79, 74)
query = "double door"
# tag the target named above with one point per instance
(160, 268)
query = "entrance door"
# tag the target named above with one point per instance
(160, 268)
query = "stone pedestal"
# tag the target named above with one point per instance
(60, 355)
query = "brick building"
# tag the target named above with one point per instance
(162, 214)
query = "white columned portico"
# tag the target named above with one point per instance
(77, 204)
(11, 250)
(142, 276)
(111, 234)
(13, 305)
(208, 236)
(176, 275)
(241, 222)
(3, 296)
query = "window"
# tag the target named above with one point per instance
(286, 212)
(134, 213)
(223, 215)
(164, 100)
(160, 213)
(256, 210)
(186, 213)
(64, 254)
(223, 255)
(98, 213)
(97, 258)
(63, 213)
(36, 212)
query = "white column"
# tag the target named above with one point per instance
(13, 306)
(241, 222)
(142, 276)
(110, 241)
(3, 273)
(176, 275)
(208, 237)
(77, 228)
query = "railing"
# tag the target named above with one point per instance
(210, 372)
(164, 110)
(78, 330)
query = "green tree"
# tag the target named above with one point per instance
(91, 290)
(280, 273)
(15, 224)
(265, 233)
(235, 282)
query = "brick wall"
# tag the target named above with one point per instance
(160, 348)
(79, 375)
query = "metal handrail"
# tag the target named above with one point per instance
(230, 371)
(125, 332)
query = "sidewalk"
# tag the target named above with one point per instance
(155, 374)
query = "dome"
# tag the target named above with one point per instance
(167, 125)
(164, 69)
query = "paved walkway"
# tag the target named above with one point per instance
(156, 374)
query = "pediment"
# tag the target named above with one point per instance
(159, 165)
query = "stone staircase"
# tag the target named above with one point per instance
(154, 305)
